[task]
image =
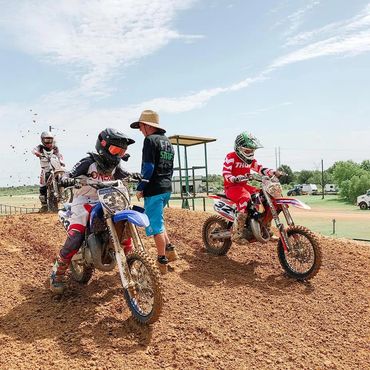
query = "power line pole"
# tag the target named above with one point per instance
(279, 156)
(276, 161)
(322, 179)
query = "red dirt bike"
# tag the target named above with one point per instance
(298, 248)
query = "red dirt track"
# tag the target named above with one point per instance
(234, 312)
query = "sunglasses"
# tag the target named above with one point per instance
(116, 150)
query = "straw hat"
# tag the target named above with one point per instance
(150, 118)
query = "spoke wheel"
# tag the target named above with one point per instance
(51, 200)
(303, 261)
(144, 299)
(212, 226)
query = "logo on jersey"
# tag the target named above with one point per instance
(241, 165)
(100, 176)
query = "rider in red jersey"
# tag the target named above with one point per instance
(237, 165)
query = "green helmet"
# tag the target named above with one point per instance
(245, 145)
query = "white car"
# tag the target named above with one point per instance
(363, 201)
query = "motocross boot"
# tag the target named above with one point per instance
(44, 205)
(171, 253)
(162, 263)
(57, 275)
(238, 227)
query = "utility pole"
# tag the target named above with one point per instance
(276, 161)
(322, 179)
(279, 156)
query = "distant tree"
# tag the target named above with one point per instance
(358, 185)
(352, 178)
(290, 177)
(345, 170)
(304, 176)
(365, 165)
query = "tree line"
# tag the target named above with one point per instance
(351, 178)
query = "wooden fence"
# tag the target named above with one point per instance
(12, 210)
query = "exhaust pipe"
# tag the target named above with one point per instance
(95, 247)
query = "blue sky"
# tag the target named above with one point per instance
(294, 73)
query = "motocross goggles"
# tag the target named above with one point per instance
(47, 140)
(247, 150)
(116, 150)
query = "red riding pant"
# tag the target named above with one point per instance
(240, 194)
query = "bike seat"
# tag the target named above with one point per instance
(222, 195)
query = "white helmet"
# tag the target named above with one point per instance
(47, 139)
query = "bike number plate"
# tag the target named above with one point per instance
(224, 209)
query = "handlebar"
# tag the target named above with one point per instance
(97, 184)
(259, 178)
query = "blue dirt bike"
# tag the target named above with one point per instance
(112, 222)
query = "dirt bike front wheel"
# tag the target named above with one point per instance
(51, 200)
(66, 196)
(145, 298)
(81, 272)
(212, 231)
(304, 259)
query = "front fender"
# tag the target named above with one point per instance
(136, 218)
(293, 202)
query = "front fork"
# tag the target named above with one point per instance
(280, 226)
(138, 244)
(123, 268)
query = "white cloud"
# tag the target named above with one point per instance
(295, 19)
(92, 35)
(351, 37)
(358, 22)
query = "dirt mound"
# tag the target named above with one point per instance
(238, 311)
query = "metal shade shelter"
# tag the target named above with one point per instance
(187, 141)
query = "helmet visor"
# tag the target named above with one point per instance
(116, 150)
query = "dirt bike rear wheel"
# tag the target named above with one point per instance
(145, 299)
(305, 253)
(215, 224)
(81, 273)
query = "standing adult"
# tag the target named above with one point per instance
(155, 186)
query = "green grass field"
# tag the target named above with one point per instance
(351, 222)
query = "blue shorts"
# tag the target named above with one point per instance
(154, 210)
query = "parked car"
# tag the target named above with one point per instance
(297, 190)
(330, 188)
(363, 201)
(302, 189)
(309, 188)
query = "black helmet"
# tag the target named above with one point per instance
(107, 146)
